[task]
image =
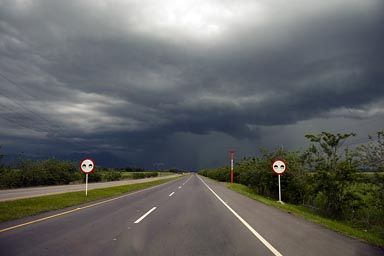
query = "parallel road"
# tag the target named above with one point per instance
(189, 216)
(19, 193)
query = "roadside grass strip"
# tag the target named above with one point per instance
(341, 227)
(11, 210)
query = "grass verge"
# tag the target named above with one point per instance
(11, 210)
(307, 214)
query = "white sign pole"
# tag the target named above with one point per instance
(279, 189)
(86, 184)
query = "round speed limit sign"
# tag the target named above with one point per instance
(87, 166)
(279, 167)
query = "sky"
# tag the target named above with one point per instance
(179, 83)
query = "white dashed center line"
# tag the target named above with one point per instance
(145, 215)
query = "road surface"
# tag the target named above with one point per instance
(19, 193)
(188, 216)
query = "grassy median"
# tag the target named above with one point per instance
(11, 210)
(341, 227)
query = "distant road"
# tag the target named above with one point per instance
(19, 193)
(189, 216)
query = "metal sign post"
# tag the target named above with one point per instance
(279, 189)
(279, 167)
(87, 166)
(86, 184)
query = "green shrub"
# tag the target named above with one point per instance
(220, 174)
(10, 178)
(321, 200)
(363, 204)
(142, 175)
(94, 177)
(112, 176)
(138, 175)
(43, 172)
(151, 174)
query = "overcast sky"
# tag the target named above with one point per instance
(176, 83)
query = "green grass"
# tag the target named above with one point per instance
(341, 227)
(372, 174)
(161, 174)
(126, 175)
(11, 210)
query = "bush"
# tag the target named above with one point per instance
(138, 175)
(112, 176)
(220, 174)
(151, 174)
(362, 202)
(143, 175)
(10, 178)
(94, 177)
(321, 200)
(39, 173)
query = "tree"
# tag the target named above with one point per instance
(1, 157)
(325, 155)
(372, 154)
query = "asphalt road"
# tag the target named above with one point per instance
(189, 216)
(19, 193)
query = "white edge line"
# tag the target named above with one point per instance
(254, 232)
(145, 215)
(172, 194)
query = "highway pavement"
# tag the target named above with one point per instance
(189, 216)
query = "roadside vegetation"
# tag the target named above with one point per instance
(346, 186)
(28, 173)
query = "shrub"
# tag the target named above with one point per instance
(112, 176)
(94, 177)
(138, 175)
(10, 178)
(363, 203)
(151, 174)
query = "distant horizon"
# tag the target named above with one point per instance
(107, 160)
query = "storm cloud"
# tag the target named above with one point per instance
(182, 82)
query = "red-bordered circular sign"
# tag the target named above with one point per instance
(279, 166)
(87, 166)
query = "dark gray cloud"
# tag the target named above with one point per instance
(155, 82)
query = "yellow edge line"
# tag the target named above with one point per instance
(77, 209)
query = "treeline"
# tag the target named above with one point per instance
(39, 173)
(139, 169)
(142, 175)
(109, 174)
(133, 169)
(28, 173)
(324, 178)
